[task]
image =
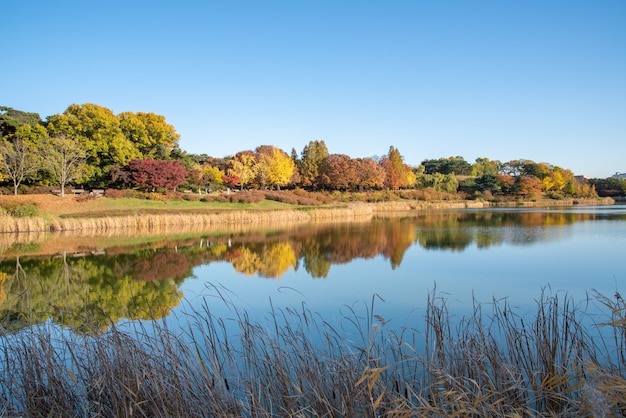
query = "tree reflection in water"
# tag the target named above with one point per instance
(97, 281)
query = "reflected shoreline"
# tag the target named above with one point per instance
(95, 235)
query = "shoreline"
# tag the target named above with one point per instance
(357, 210)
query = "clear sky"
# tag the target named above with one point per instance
(543, 80)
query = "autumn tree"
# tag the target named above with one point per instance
(398, 174)
(339, 172)
(370, 175)
(313, 157)
(211, 175)
(18, 154)
(155, 174)
(242, 167)
(272, 167)
(528, 187)
(276, 167)
(64, 158)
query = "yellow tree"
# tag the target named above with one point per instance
(243, 166)
(274, 167)
(280, 167)
(212, 175)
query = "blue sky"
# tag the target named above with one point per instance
(539, 80)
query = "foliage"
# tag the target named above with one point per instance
(612, 187)
(241, 169)
(398, 174)
(24, 211)
(452, 165)
(311, 164)
(11, 119)
(110, 142)
(274, 167)
(97, 130)
(155, 174)
(150, 133)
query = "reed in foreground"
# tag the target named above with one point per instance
(495, 363)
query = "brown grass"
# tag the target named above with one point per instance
(297, 364)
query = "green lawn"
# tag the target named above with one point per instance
(105, 206)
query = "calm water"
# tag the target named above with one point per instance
(330, 269)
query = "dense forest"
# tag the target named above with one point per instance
(89, 147)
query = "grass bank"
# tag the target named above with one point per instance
(37, 213)
(494, 363)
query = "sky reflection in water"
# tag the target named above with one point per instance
(572, 250)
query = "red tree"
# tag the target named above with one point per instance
(153, 174)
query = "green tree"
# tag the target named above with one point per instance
(64, 158)
(150, 133)
(314, 156)
(484, 166)
(99, 133)
(452, 165)
(11, 119)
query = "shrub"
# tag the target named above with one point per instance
(191, 197)
(250, 196)
(24, 211)
(124, 193)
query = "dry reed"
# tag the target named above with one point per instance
(156, 222)
(295, 364)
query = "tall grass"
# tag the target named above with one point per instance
(296, 364)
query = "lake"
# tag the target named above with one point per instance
(389, 266)
(435, 313)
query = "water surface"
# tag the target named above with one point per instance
(332, 269)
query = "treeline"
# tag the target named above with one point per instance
(89, 146)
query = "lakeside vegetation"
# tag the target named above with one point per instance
(496, 363)
(88, 147)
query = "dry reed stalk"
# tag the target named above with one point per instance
(294, 363)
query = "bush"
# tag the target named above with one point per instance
(191, 197)
(250, 196)
(25, 211)
(124, 193)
